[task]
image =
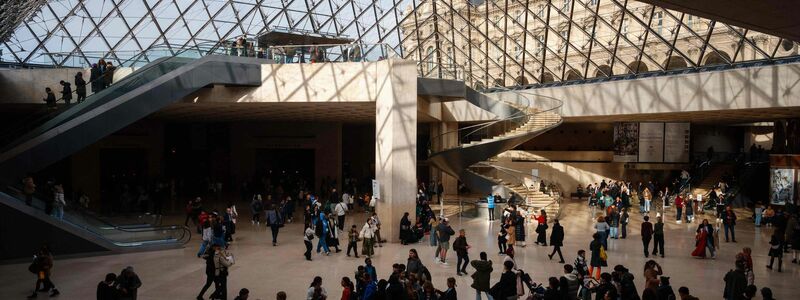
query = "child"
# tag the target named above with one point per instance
(776, 250)
(501, 240)
(353, 240)
(580, 263)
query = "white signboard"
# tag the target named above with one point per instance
(376, 189)
(651, 142)
(676, 142)
(535, 173)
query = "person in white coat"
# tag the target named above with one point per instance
(341, 210)
(367, 235)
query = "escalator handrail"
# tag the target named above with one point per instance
(75, 109)
(557, 197)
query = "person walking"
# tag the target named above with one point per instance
(490, 206)
(352, 240)
(678, 209)
(308, 236)
(624, 219)
(80, 87)
(444, 232)
(776, 250)
(735, 282)
(557, 240)
(333, 234)
(222, 261)
(658, 237)
(647, 235)
(341, 211)
(42, 266)
(729, 223)
(541, 228)
(322, 230)
(58, 201)
(256, 208)
(66, 92)
(480, 278)
(460, 246)
(405, 229)
(208, 257)
(275, 222)
(128, 284)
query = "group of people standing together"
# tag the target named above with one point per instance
(101, 76)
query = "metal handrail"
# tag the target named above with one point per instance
(556, 194)
(353, 52)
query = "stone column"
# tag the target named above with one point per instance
(395, 143)
(449, 182)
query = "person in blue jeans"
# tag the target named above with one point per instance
(729, 222)
(323, 225)
(490, 205)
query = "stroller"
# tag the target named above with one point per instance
(536, 289)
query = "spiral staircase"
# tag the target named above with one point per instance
(467, 153)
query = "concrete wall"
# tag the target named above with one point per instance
(27, 85)
(756, 87)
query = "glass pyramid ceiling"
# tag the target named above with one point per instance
(486, 42)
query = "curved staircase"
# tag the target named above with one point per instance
(466, 153)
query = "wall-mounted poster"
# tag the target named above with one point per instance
(626, 142)
(651, 142)
(782, 186)
(676, 142)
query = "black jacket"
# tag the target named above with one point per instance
(557, 235)
(80, 85)
(506, 287)
(106, 292)
(460, 246)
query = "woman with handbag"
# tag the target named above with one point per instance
(599, 257)
(42, 266)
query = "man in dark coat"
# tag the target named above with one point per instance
(50, 99)
(66, 92)
(461, 246)
(557, 240)
(483, 271)
(735, 282)
(94, 74)
(80, 87)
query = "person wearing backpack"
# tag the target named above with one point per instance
(222, 261)
(275, 222)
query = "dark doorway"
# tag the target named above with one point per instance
(283, 164)
(122, 173)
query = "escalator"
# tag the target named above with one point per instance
(150, 88)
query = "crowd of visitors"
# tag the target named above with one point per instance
(101, 76)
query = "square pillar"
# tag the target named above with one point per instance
(449, 182)
(396, 143)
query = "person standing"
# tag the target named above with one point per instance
(367, 236)
(414, 265)
(557, 240)
(735, 282)
(315, 290)
(256, 207)
(490, 205)
(480, 278)
(341, 210)
(541, 228)
(440, 191)
(596, 261)
(678, 208)
(66, 92)
(29, 188)
(757, 212)
(613, 219)
(105, 288)
(352, 240)
(444, 232)
(42, 266)
(50, 99)
(729, 223)
(519, 230)
(308, 236)
(647, 235)
(80, 87)
(624, 219)
(108, 75)
(94, 74)
(333, 234)
(405, 229)
(376, 224)
(58, 200)
(275, 222)
(128, 284)
(658, 237)
(461, 246)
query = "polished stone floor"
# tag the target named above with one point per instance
(265, 270)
